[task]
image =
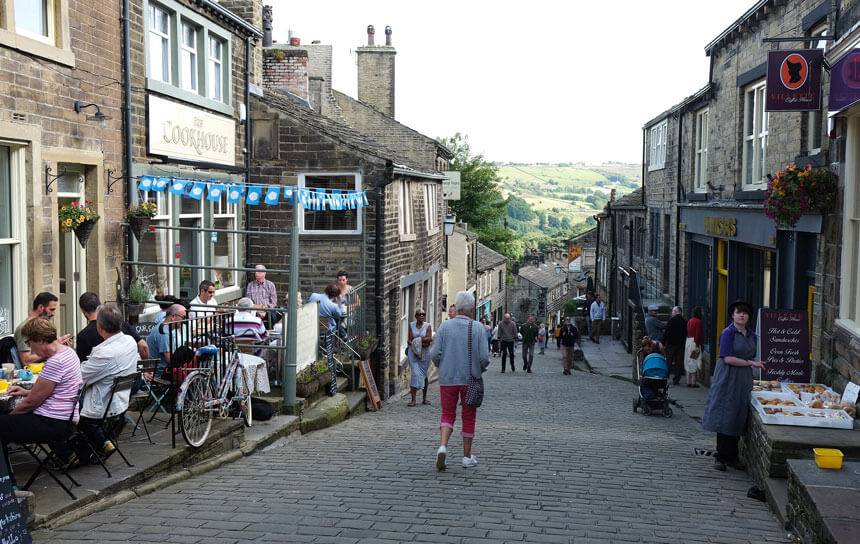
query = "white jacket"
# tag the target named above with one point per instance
(116, 356)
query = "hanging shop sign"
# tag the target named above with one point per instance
(182, 132)
(784, 338)
(794, 80)
(451, 185)
(845, 82)
(573, 253)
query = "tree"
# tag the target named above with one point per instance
(481, 203)
(504, 241)
(519, 209)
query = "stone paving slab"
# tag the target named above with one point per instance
(561, 459)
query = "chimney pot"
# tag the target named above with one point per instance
(370, 33)
(387, 35)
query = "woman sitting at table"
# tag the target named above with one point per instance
(42, 415)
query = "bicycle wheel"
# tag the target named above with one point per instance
(195, 420)
(243, 389)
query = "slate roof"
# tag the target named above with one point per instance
(487, 258)
(631, 199)
(465, 232)
(544, 276)
(587, 238)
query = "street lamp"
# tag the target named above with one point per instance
(449, 225)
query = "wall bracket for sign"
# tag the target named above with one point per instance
(370, 386)
(111, 179)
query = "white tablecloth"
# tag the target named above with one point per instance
(255, 369)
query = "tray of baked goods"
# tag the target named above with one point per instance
(788, 409)
(767, 385)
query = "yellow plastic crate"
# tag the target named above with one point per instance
(828, 458)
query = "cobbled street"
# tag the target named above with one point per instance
(561, 459)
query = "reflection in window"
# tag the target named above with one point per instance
(345, 221)
(159, 44)
(34, 18)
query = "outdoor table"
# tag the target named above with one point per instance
(255, 369)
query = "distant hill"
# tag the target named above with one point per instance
(554, 199)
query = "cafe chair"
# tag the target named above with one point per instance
(107, 422)
(145, 392)
(48, 461)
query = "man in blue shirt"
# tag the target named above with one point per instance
(159, 339)
(328, 305)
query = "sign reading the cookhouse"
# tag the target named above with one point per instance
(721, 226)
(183, 132)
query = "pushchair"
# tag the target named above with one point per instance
(653, 381)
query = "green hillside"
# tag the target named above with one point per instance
(556, 201)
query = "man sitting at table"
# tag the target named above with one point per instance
(159, 339)
(89, 337)
(116, 356)
(205, 298)
(44, 306)
(329, 306)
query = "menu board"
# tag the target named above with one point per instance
(13, 526)
(784, 345)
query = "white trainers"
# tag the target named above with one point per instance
(470, 462)
(441, 453)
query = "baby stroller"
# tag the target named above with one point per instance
(653, 382)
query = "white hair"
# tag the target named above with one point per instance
(465, 302)
(677, 309)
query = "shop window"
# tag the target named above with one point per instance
(330, 221)
(755, 137)
(187, 56)
(701, 166)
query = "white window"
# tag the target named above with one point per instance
(701, 173)
(215, 72)
(431, 207)
(329, 221)
(13, 307)
(190, 246)
(405, 208)
(35, 19)
(814, 127)
(657, 145)
(755, 136)
(849, 304)
(407, 301)
(431, 300)
(188, 57)
(159, 44)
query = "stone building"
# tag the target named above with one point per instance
(582, 261)
(60, 65)
(540, 291)
(395, 244)
(462, 264)
(192, 66)
(491, 284)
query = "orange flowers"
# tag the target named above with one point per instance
(75, 214)
(795, 191)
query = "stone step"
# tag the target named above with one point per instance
(325, 413)
(777, 497)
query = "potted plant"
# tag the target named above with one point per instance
(795, 191)
(78, 218)
(310, 378)
(139, 217)
(139, 292)
(366, 345)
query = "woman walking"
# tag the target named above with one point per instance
(460, 352)
(693, 347)
(420, 337)
(729, 397)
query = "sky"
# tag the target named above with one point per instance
(537, 81)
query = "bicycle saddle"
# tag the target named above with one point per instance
(207, 350)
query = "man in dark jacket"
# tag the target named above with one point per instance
(569, 337)
(507, 337)
(674, 339)
(530, 334)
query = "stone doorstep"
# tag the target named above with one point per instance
(825, 503)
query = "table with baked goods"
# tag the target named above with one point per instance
(802, 404)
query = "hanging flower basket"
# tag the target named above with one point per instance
(82, 233)
(139, 226)
(795, 191)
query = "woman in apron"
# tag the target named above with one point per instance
(729, 397)
(420, 337)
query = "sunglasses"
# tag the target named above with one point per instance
(419, 314)
(211, 292)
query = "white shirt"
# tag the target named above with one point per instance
(197, 312)
(116, 356)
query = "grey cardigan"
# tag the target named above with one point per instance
(450, 352)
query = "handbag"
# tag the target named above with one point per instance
(694, 354)
(475, 387)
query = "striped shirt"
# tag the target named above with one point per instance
(64, 370)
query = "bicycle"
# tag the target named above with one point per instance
(197, 401)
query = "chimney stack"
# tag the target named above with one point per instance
(376, 72)
(267, 26)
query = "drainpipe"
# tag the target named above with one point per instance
(127, 155)
(644, 147)
(379, 354)
(678, 195)
(248, 146)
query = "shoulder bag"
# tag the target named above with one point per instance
(475, 388)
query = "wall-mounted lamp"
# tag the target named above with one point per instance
(557, 268)
(449, 225)
(98, 116)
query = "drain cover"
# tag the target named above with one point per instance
(703, 452)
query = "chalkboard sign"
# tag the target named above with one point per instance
(370, 386)
(13, 526)
(143, 329)
(784, 345)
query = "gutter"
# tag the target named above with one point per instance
(379, 368)
(231, 17)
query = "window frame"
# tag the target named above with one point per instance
(755, 132)
(357, 187)
(17, 241)
(56, 46)
(849, 297)
(431, 207)
(700, 169)
(179, 15)
(192, 51)
(405, 211)
(657, 145)
(50, 24)
(407, 304)
(814, 137)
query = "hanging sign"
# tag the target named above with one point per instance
(845, 82)
(451, 185)
(794, 80)
(182, 132)
(784, 345)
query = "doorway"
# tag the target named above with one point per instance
(72, 257)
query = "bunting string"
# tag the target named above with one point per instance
(254, 194)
